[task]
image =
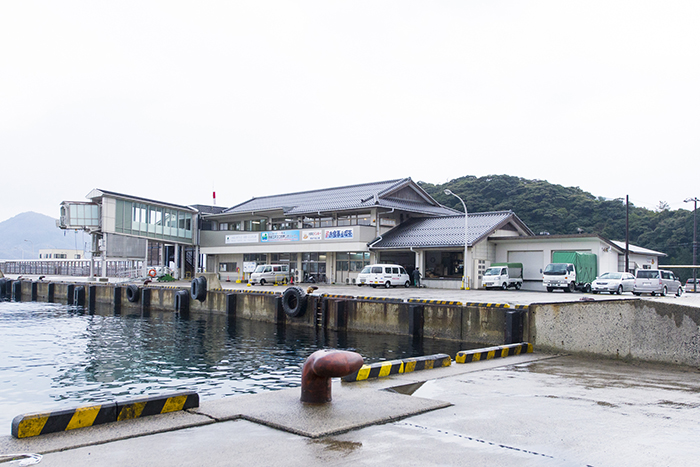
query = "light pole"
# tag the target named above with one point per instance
(695, 241)
(465, 281)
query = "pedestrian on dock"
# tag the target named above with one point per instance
(416, 277)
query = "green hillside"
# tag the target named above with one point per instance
(559, 210)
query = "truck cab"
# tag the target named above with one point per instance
(559, 276)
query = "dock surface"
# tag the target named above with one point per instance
(527, 410)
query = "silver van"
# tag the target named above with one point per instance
(656, 281)
(270, 274)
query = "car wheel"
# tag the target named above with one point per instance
(550, 289)
(407, 284)
(387, 285)
(637, 293)
(595, 292)
(619, 290)
(262, 281)
(517, 286)
(679, 292)
(504, 286)
(664, 292)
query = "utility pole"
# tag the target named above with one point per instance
(695, 241)
(627, 235)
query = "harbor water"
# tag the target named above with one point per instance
(56, 356)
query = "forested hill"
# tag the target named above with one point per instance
(559, 210)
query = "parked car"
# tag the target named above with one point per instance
(270, 274)
(613, 282)
(691, 284)
(383, 274)
(656, 281)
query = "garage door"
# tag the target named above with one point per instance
(533, 263)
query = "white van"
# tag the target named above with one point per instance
(270, 274)
(383, 274)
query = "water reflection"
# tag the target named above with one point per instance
(55, 355)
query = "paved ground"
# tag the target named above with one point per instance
(527, 410)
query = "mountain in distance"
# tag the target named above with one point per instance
(557, 210)
(22, 236)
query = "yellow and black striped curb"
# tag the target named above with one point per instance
(488, 305)
(521, 307)
(41, 423)
(326, 295)
(466, 356)
(433, 302)
(259, 292)
(381, 299)
(392, 367)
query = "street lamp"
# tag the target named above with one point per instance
(465, 283)
(695, 240)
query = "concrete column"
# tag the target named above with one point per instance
(145, 262)
(178, 274)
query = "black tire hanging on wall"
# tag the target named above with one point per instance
(132, 293)
(198, 288)
(182, 301)
(294, 301)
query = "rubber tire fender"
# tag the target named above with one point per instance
(132, 293)
(294, 301)
(198, 289)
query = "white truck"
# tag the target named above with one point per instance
(570, 271)
(503, 276)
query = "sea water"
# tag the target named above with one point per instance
(57, 356)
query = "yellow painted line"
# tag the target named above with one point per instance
(174, 404)
(84, 416)
(32, 425)
(132, 410)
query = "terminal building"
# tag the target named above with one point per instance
(329, 235)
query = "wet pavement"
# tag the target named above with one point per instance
(527, 410)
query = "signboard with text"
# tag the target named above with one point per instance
(339, 234)
(280, 236)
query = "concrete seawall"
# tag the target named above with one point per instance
(629, 329)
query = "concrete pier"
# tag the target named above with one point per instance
(528, 410)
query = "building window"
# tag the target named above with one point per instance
(254, 257)
(223, 226)
(227, 267)
(313, 265)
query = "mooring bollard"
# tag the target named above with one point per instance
(323, 365)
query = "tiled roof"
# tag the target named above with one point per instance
(367, 195)
(447, 231)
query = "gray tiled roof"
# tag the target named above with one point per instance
(353, 197)
(447, 231)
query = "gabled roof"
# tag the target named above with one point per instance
(402, 194)
(448, 231)
(636, 249)
(97, 193)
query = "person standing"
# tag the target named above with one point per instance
(416, 277)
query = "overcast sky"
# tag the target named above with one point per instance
(173, 100)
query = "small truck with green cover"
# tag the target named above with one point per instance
(570, 270)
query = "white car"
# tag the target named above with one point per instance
(613, 282)
(385, 275)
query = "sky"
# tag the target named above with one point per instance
(173, 100)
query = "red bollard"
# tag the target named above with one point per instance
(323, 365)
